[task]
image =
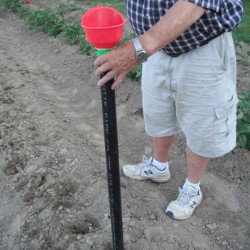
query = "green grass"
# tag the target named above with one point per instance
(242, 32)
(117, 4)
(243, 123)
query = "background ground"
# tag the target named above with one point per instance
(53, 186)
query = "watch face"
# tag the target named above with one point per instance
(142, 56)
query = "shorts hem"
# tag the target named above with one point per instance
(164, 134)
(218, 153)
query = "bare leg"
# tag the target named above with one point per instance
(196, 166)
(161, 147)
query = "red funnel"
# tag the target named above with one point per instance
(103, 26)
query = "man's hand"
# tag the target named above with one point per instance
(117, 63)
(120, 61)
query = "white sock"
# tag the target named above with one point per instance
(194, 185)
(160, 165)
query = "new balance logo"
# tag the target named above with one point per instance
(193, 204)
(148, 172)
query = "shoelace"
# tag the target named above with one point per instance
(145, 161)
(184, 197)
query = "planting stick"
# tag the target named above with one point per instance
(112, 160)
(104, 36)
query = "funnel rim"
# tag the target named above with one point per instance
(103, 27)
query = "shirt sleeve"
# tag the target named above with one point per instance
(227, 13)
(207, 4)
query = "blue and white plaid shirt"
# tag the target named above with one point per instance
(220, 16)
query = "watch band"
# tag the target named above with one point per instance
(137, 44)
(141, 55)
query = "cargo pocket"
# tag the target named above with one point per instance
(225, 121)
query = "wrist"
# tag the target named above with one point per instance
(149, 44)
(141, 55)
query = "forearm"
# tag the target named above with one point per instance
(179, 18)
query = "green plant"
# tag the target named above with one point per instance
(85, 47)
(136, 73)
(117, 4)
(243, 122)
(244, 56)
(23, 12)
(241, 33)
(72, 31)
(46, 21)
(12, 5)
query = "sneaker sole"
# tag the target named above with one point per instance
(160, 181)
(141, 178)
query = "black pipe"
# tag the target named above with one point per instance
(112, 161)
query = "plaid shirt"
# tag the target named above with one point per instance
(220, 16)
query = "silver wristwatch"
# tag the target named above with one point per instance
(141, 54)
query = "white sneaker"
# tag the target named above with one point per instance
(183, 207)
(146, 170)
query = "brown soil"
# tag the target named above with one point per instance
(53, 185)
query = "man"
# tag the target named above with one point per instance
(188, 84)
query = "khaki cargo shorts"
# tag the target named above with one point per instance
(194, 93)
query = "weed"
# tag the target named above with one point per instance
(243, 56)
(85, 47)
(72, 31)
(117, 4)
(45, 21)
(243, 123)
(136, 73)
(12, 5)
(241, 33)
